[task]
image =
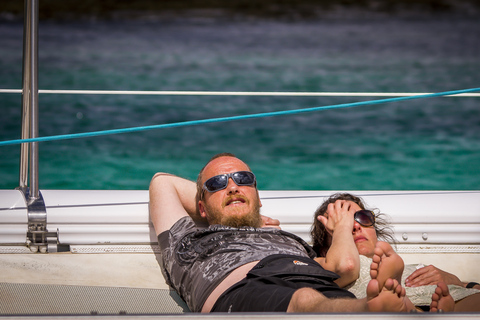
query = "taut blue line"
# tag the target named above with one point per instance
(234, 118)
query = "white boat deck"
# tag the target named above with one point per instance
(111, 267)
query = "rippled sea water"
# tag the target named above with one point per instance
(428, 144)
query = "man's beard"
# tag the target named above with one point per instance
(251, 219)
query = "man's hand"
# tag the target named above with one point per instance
(268, 222)
(431, 275)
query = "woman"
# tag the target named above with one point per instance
(368, 229)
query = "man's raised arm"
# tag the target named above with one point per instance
(171, 198)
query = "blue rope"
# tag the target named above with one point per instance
(234, 118)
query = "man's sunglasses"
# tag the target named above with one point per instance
(365, 218)
(220, 182)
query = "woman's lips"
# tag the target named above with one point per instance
(360, 239)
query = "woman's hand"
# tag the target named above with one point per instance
(431, 275)
(340, 213)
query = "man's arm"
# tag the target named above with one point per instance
(171, 198)
(342, 256)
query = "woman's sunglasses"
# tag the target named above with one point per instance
(365, 218)
(220, 182)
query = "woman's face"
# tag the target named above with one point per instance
(365, 238)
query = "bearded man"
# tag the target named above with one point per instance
(239, 262)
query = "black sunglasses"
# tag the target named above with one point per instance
(365, 218)
(220, 182)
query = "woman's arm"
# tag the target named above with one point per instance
(342, 256)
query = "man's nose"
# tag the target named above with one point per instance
(232, 186)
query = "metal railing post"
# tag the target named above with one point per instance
(38, 237)
(23, 183)
(30, 101)
(34, 190)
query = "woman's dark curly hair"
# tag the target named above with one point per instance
(318, 232)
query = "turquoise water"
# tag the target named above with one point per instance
(419, 145)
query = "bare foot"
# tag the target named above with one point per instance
(386, 264)
(391, 298)
(441, 299)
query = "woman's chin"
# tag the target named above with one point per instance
(365, 251)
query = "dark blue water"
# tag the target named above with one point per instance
(419, 144)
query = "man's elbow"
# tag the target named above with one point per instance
(157, 179)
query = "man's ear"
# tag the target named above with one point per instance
(201, 210)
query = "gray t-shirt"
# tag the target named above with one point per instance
(195, 260)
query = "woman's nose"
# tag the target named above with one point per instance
(356, 226)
